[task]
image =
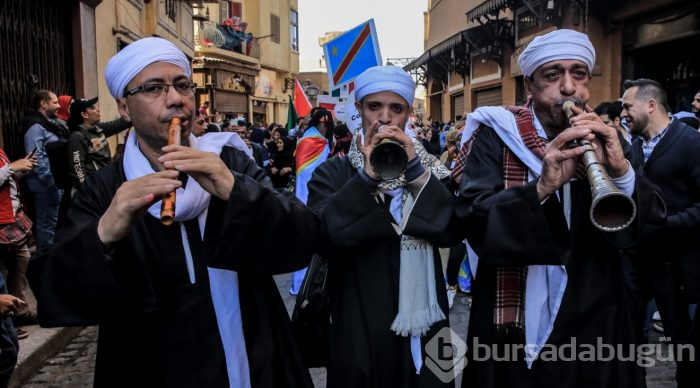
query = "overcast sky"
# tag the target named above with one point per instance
(399, 24)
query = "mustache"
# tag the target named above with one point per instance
(577, 101)
(181, 115)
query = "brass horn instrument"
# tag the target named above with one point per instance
(611, 209)
(388, 159)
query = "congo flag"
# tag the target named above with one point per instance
(351, 53)
(312, 150)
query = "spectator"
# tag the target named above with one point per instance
(40, 131)
(88, 148)
(15, 229)
(282, 165)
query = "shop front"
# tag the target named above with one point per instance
(663, 47)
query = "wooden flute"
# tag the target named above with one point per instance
(167, 209)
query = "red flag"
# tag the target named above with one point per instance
(301, 102)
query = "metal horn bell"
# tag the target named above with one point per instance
(388, 159)
(611, 209)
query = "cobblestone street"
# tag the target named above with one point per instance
(73, 366)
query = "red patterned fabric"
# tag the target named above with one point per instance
(7, 216)
(509, 309)
(509, 306)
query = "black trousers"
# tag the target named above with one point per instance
(454, 261)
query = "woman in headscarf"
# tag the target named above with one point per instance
(431, 143)
(282, 165)
(63, 113)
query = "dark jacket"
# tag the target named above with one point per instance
(155, 321)
(32, 117)
(674, 166)
(88, 149)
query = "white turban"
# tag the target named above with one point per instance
(127, 63)
(385, 79)
(557, 45)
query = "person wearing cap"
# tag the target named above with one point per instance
(547, 277)
(380, 237)
(88, 149)
(187, 304)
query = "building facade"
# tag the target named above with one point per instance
(471, 48)
(64, 46)
(255, 80)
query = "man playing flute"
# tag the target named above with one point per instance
(190, 304)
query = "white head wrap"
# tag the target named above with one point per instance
(127, 63)
(385, 79)
(557, 45)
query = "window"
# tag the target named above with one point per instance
(229, 9)
(275, 28)
(528, 22)
(237, 9)
(171, 9)
(294, 29)
(225, 10)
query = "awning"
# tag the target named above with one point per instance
(438, 49)
(472, 38)
(488, 7)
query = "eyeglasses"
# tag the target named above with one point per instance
(155, 90)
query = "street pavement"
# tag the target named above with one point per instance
(73, 365)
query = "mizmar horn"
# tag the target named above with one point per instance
(611, 209)
(388, 159)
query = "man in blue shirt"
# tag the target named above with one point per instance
(39, 132)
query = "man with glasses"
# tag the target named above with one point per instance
(170, 307)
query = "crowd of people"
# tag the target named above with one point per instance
(502, 191)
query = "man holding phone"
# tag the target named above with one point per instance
(14, 256)
(39, 132)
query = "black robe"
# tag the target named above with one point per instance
(156, 328)
(363, 255)
(511, 228)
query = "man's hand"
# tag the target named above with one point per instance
(9, 305)
(560, 161)
(273, 170)
(606, 142)
(206, 168)
(375, 134)
(131, 201)
(23, 165)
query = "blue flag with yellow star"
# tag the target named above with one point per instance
(351, 53)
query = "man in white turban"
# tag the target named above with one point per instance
(547, 276)
(388, 296)
(187, 304)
